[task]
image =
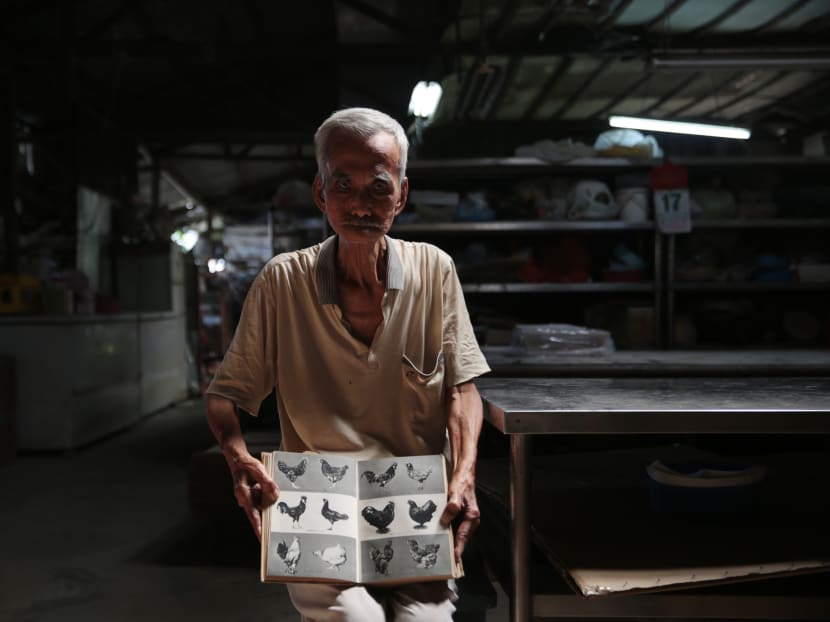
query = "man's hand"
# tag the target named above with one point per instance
(462, 507)
(464, 420)
(253, 488)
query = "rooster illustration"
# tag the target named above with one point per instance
(380, 519)
(419, 475)
(382, 557)
(382, 479)
(424, 556)
(334, 556)
(294, 512)
(421, 514)
(330, 515)
(290, 555)
(332, 473)
(292, 472)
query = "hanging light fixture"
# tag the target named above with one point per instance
(424, 99)
(679, 127)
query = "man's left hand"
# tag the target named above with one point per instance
(462, 508)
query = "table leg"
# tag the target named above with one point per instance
(520, 527)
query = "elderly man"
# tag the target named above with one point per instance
(369, 344)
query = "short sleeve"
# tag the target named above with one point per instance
(248, 370)
(462, 354)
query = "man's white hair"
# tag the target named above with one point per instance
(362, 122)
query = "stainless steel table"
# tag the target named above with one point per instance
(520, 407)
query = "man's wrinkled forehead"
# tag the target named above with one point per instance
(382, 144)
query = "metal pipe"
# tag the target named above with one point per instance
(738, 62)
(520, 527)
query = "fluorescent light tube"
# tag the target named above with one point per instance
(424, 99)
(679, 127)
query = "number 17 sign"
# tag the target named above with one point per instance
(672, 210)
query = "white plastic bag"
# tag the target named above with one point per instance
(591, 199)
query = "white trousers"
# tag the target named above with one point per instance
(416, 602)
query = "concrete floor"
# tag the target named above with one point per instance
(106, 533)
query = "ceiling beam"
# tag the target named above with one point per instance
(609, 21)
(780, 16)
(558, 42)
(672, 93)
(810, 90)
(601, 66)
(666, 13)
(233, 157)
(542, 94)
(622, 95)
(720, 18)
(381, 17)
(508, 10)
(549, 18)
(496, 97)
(775, 77)
(711, 92)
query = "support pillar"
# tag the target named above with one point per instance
(9, 263)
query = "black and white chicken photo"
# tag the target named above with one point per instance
(332, 516)
(333, 473)
(424, 556)
(422, 514)
(419, 475)
(382, 479)
(380, 519)
(292, 472)
(294, 512)
(381, 557)
(334, 556)
(290, 555)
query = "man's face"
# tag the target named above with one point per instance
(363, 192)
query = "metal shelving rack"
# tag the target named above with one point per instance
(664, 286)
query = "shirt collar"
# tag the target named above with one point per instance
(327, 275)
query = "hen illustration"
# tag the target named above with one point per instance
(382, 479)
(294, 512)
(419, 475)
(290, 555)
(292, 472)
(332, 473)
(334, 556)
(422, 514)
(382, 557)
(330, 515)
(424, 556)
(380, 519)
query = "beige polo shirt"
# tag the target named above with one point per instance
(335, 393)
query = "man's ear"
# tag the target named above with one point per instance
(404, 194)
(317, 191)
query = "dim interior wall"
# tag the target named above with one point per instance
(79, 378)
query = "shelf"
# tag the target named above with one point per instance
(543, 288)
(737, 286)
(486, 168)
(752, 161)
(522, 226)
(762, 223)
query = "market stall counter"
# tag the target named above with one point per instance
(628, 559)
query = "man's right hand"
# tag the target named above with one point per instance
(253, 488)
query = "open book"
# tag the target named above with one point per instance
(341, 520)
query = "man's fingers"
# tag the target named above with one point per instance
(451, 510)
(463, 533)
(260, 475)
(253, 489)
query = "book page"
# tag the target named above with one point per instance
(400, 502)
(311, 530)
